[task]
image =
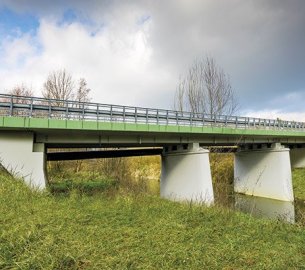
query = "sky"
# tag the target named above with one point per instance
(135, 52)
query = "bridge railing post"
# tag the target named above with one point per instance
(11, 106)
(83, 112)
(136, 114)
(110, 113)
(31, 107)
(67, 110)
(49, 109)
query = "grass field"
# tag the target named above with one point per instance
(298, 180)
(124, 231)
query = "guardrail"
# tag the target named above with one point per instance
(11, 105)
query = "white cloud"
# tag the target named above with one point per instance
(118, 65)
(15, 51)
(132, 52)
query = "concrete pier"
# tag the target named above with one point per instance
(22, 157)
(264, 172)
(186, 174)
(297, 157)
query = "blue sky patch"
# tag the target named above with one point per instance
(14, 24)
(71, 16)
(143, 19)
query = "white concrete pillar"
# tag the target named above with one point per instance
(23, 158)
(186, 175)
(297, 157)
(264, 173)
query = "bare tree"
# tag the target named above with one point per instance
(206, 89)
(20, 94)
(59, 85)
(21, 91)
(82, 92)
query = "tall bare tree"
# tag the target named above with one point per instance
(59, 85)
(82, 91)
(206, 89)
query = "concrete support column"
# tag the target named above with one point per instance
(264, 173)
(297, 157)
(24, 158)
(186, 174)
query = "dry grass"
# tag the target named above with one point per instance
(42, 231)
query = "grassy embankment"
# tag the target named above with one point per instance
(126, 230)
(298, 176)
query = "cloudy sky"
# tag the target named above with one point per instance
(133, 52)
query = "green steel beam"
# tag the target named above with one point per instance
(36, 124)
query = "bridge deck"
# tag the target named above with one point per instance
(71, 122)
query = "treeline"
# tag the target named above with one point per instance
(58, 85)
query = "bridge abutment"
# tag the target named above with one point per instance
(22, 157)
(186, 174)
(297, 157)
(264, 172)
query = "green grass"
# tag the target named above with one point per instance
(298, 180)
(89, 188)
(43, 231)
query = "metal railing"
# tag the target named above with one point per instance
(35, 107)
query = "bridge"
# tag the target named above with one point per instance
(266, 148)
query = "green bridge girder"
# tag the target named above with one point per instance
(209, 134)
(36, 124)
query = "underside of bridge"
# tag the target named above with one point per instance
(93, 154)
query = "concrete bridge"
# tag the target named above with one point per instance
(267, 149)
